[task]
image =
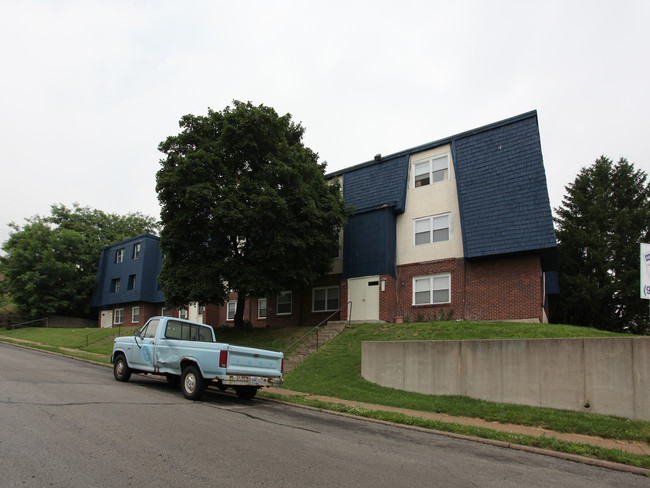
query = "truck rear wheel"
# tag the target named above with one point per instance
(246, 392)
(192, 383)
(121, 369)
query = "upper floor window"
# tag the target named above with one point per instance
(131, 283)
(431, 290)
(119, 255)
(136, 250)
(115, 285)
(431, 170)
(284, 303)
(325, 299)
(182, 313)
(431, 229)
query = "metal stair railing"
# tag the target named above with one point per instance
(316, 328)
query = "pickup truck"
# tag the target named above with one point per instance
(187, 354)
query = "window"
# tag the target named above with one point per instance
(325, 299)
(284, 303)
(182, 313)
(430, 290)
(201, 309)
(119, 255)
(131, 283)
(136, 250)
(118, 316)
(149, 330)
(431, 229)
(432, 170)
(135, 314)
(232, 309)
(261, 308)
(188, 332)
(115, 285)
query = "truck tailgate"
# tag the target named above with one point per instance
(253, 362)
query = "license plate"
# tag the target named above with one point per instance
(255, 380)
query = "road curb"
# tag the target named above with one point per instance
(507, 445)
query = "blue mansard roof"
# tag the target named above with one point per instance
(502, 194)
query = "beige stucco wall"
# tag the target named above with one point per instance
(599, 375)
(437, 198)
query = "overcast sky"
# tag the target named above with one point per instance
(89, 88)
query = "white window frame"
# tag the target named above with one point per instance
(430, 225)
(327, 290)
(135, 314)
(230, 314)
(259, 308)
(433, 167)
(118, 313)
(136, 250)
(119, 255)
(288, 293)
(431, 284)
(182, 313)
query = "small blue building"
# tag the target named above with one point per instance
(127, 290)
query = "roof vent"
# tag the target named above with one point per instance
(378, 157)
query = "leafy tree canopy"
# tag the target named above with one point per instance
(244, 206)
(50, 263)
(604, 217)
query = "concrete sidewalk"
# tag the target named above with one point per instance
(627, 446)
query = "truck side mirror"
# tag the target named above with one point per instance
(137, 333)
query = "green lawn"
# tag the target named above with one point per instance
(335, 370)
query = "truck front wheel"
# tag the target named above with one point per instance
(121, 369)
(192, 383)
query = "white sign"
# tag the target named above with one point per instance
(645, 271)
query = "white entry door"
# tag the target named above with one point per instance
(107, 318)
(364, 295)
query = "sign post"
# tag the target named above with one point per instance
(645, 271)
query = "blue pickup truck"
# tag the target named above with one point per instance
(187, 354)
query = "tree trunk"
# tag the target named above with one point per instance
(239, 313)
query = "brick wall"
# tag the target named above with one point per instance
(301, 308)
(405, 275)
(507, 288)
(504, 289)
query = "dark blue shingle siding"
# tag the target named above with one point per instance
(372, 186)
(502, 193)
(369, 244)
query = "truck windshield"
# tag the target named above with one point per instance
(150, 329)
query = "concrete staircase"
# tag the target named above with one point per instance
(312, 342)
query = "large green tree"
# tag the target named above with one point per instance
(604, 217)
(244, 207)
(50, 263)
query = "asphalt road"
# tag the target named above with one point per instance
(65, 423)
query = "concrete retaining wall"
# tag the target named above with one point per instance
(597, 375)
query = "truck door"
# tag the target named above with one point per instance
(143, 354)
